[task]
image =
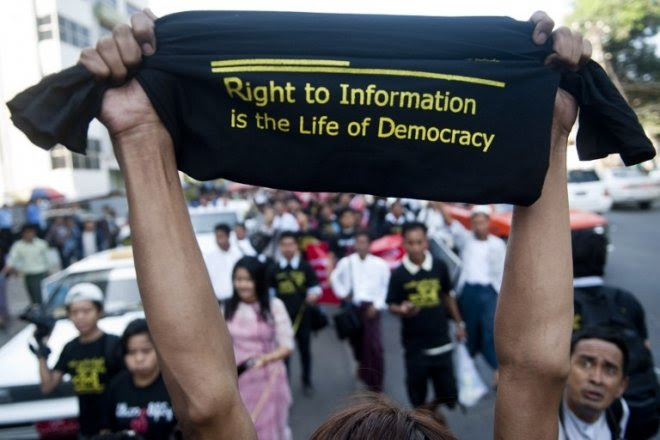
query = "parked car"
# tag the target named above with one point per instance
(24, 411)
(500, 224)
(587, 191)
(632, 185)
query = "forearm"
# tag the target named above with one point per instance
(49, 381)
(535, 307)
(174, 285)
(453, 308)
(278, 354)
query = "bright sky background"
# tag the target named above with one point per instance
(518, 9)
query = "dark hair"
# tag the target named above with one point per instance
(29, 227)
(97, 304)
(287, 234)
(603, 333)
(589, 253)
(374, 416)
(223, 227)
(135, 327)
(240, 224)
(344, 210)
(363, 232)
(257, 271)
(411, 226)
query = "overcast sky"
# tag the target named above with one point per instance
(519, 9)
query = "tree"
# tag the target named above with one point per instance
(623, 33)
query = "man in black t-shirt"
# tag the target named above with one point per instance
(342, 244)
(294, 281)
(419, 292)
(90, 359)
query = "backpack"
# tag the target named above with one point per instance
(601, 306)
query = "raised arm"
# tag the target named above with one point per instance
(190, 335)
(535, 311)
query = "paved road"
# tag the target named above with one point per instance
(633, 264)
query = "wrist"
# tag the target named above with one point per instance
(461, 325)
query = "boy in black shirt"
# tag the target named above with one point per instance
(90, 358)
(294, 281)
(419, 292)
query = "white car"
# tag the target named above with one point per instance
(24, 411)
(632, 185)
(587, 191)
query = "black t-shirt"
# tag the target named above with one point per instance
(147, 411)
(91, 366)
(420, 107)
(343, 244)
(291, 284)
(427, 329)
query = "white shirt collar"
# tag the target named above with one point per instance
(411, 267)
(588, 281)
(295, 262)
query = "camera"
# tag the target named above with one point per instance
(39, 317)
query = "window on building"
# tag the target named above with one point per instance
(73, 33)
(132, 9)
(44, 27)
(59, 157)
(109, 3)
(91, 160)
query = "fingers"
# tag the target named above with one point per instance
(543, 26)
(129, 50)
(571, 50)
(108, 49)
(93, 62)
(143, 31)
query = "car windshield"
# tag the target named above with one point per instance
(626, 173)
(581, 176)
(206, 222)
(119, 287)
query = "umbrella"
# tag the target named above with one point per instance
(46, 193)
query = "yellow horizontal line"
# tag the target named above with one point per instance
(279, 61)
(361, 71)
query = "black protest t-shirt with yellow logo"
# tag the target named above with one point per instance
(291, 284)
(428, 328)
(91, 366)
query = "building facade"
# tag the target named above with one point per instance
(37, 38)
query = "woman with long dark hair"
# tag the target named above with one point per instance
(262, 338)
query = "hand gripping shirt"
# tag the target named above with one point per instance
(438, 108)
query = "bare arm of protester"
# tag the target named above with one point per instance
(200, 372)
(455, 314)
(50, 379)
(535, 312)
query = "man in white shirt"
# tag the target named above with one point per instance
(240, 239)
(363, 279)
(284, 220)
(220, 263)
(482, 255)
(592, 406)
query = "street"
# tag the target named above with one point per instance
(632, 264)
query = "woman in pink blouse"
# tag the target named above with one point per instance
(262, 337)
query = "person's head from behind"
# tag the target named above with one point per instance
(480, 221)
(347, 219)
(84, 306)
(222, 236)
(249, 279)
(28, 232)
(362, 243)
(589, 249)
(599, 360)
(138, 351)
(240, 231)
(288, 243)
(414, 241)
(374, 416)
